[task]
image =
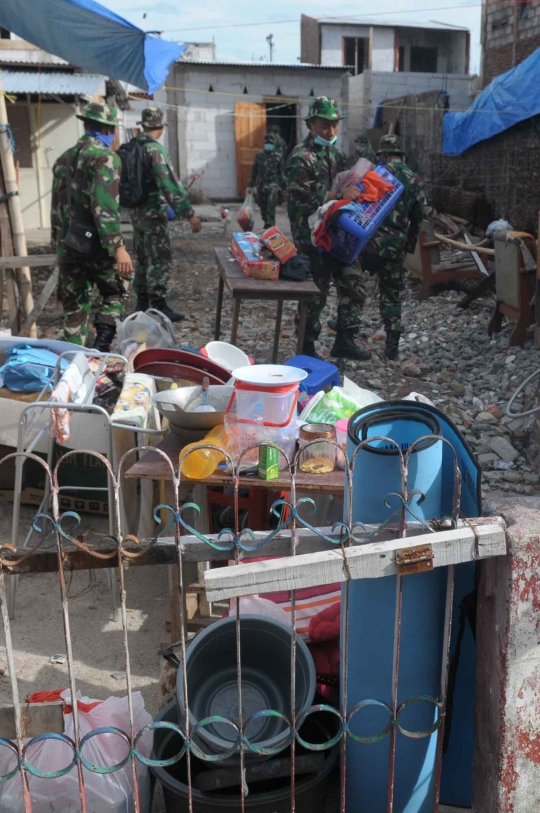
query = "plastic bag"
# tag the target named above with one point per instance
(352, 176)
(29, 369)
(106, 793)
(339, 403)
(152, 328)
(246, 217)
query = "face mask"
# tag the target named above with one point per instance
(106, 140)
(269, 147)
(322, 142)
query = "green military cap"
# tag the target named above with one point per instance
(269, 138)
(323, 108)
(390, 145)
(362, 139)
(96, 111)
(152, 118)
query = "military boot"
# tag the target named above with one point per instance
(345, 347)
(161, 305)
(391, 348)
(104, 336)
(308, 349)
(143, 302)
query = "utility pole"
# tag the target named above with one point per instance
(270, 41)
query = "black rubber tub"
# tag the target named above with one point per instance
(271, 797)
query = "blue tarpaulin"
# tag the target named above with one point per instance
(90, 36)
(510, 98)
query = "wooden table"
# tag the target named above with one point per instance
(241, 287)
(152, 466)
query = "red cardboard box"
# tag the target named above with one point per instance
(252, 257)
(278, 244)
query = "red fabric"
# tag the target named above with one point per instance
(321, 236)
(374, 189)
(326, 625)
(52, 697)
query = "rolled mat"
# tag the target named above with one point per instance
(371, 618)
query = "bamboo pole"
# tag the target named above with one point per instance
(464, 246)
(23, 275)
(8, 274)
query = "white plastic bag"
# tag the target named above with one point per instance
(105, 793)
(246, 216)
(352, 176)
(152, 328)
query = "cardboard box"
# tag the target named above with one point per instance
(268, 463)
(279, 245)
(252, 257)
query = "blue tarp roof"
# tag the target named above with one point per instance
(92, 37)
(510, 98)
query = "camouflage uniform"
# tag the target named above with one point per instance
(268, 175)
(311, 170)
(151, 240)
(95, 179)
(363, 149)
(281, 145)
(397, 236)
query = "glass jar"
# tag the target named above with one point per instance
(320, 458)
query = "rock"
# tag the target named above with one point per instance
(504, 449)
(487, 459)
(531, 479)
(409, 368)
(512, 477)
(486, 417)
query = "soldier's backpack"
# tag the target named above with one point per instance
(134, 182)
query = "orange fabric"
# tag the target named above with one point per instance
(374, 187)
(52, 697)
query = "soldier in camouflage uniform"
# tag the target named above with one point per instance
(268, 176)
(150, 221)
(363, 149)
(93, 171)
(281, 146)
(396, 238)
(311, 169)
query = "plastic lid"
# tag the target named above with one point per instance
(342, 425)
(269, 375)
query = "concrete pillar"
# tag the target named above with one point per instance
(507, 739)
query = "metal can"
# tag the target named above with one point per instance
(317, 458)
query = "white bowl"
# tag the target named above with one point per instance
(227, 355)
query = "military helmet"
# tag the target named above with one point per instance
(275, 128)
(269, 138)
(390, 145)
(362, 139)
(323, 108)
(102, 113)
(153, 118)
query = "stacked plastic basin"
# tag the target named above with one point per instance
(372, 615)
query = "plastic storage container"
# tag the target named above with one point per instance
(356, 227)
(322, 375)
(273, 407)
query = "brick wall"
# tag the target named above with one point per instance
(496, 178)
(499, 60)
(511, 34)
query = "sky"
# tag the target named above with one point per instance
(225, 22)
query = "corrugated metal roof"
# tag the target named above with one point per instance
(396, 23)
(53, 83)
(29, 56)
(297, 65)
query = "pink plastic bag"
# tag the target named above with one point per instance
(105, 793)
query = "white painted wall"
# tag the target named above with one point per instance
(451, 45)
(383, 49)
(203, 122)
(332, 41)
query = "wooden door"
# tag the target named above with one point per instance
(250, 127)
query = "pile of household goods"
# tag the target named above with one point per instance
(269, 256)
(282, 406)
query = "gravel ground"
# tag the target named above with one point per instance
(446, 355)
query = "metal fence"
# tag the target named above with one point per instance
(60, 548)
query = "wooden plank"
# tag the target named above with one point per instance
(474, 254)
(48, 290)
(32, 261)
(163, 552)
(371, 561)
(240, 286)
(37, 718)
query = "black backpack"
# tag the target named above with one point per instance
(134, 183)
